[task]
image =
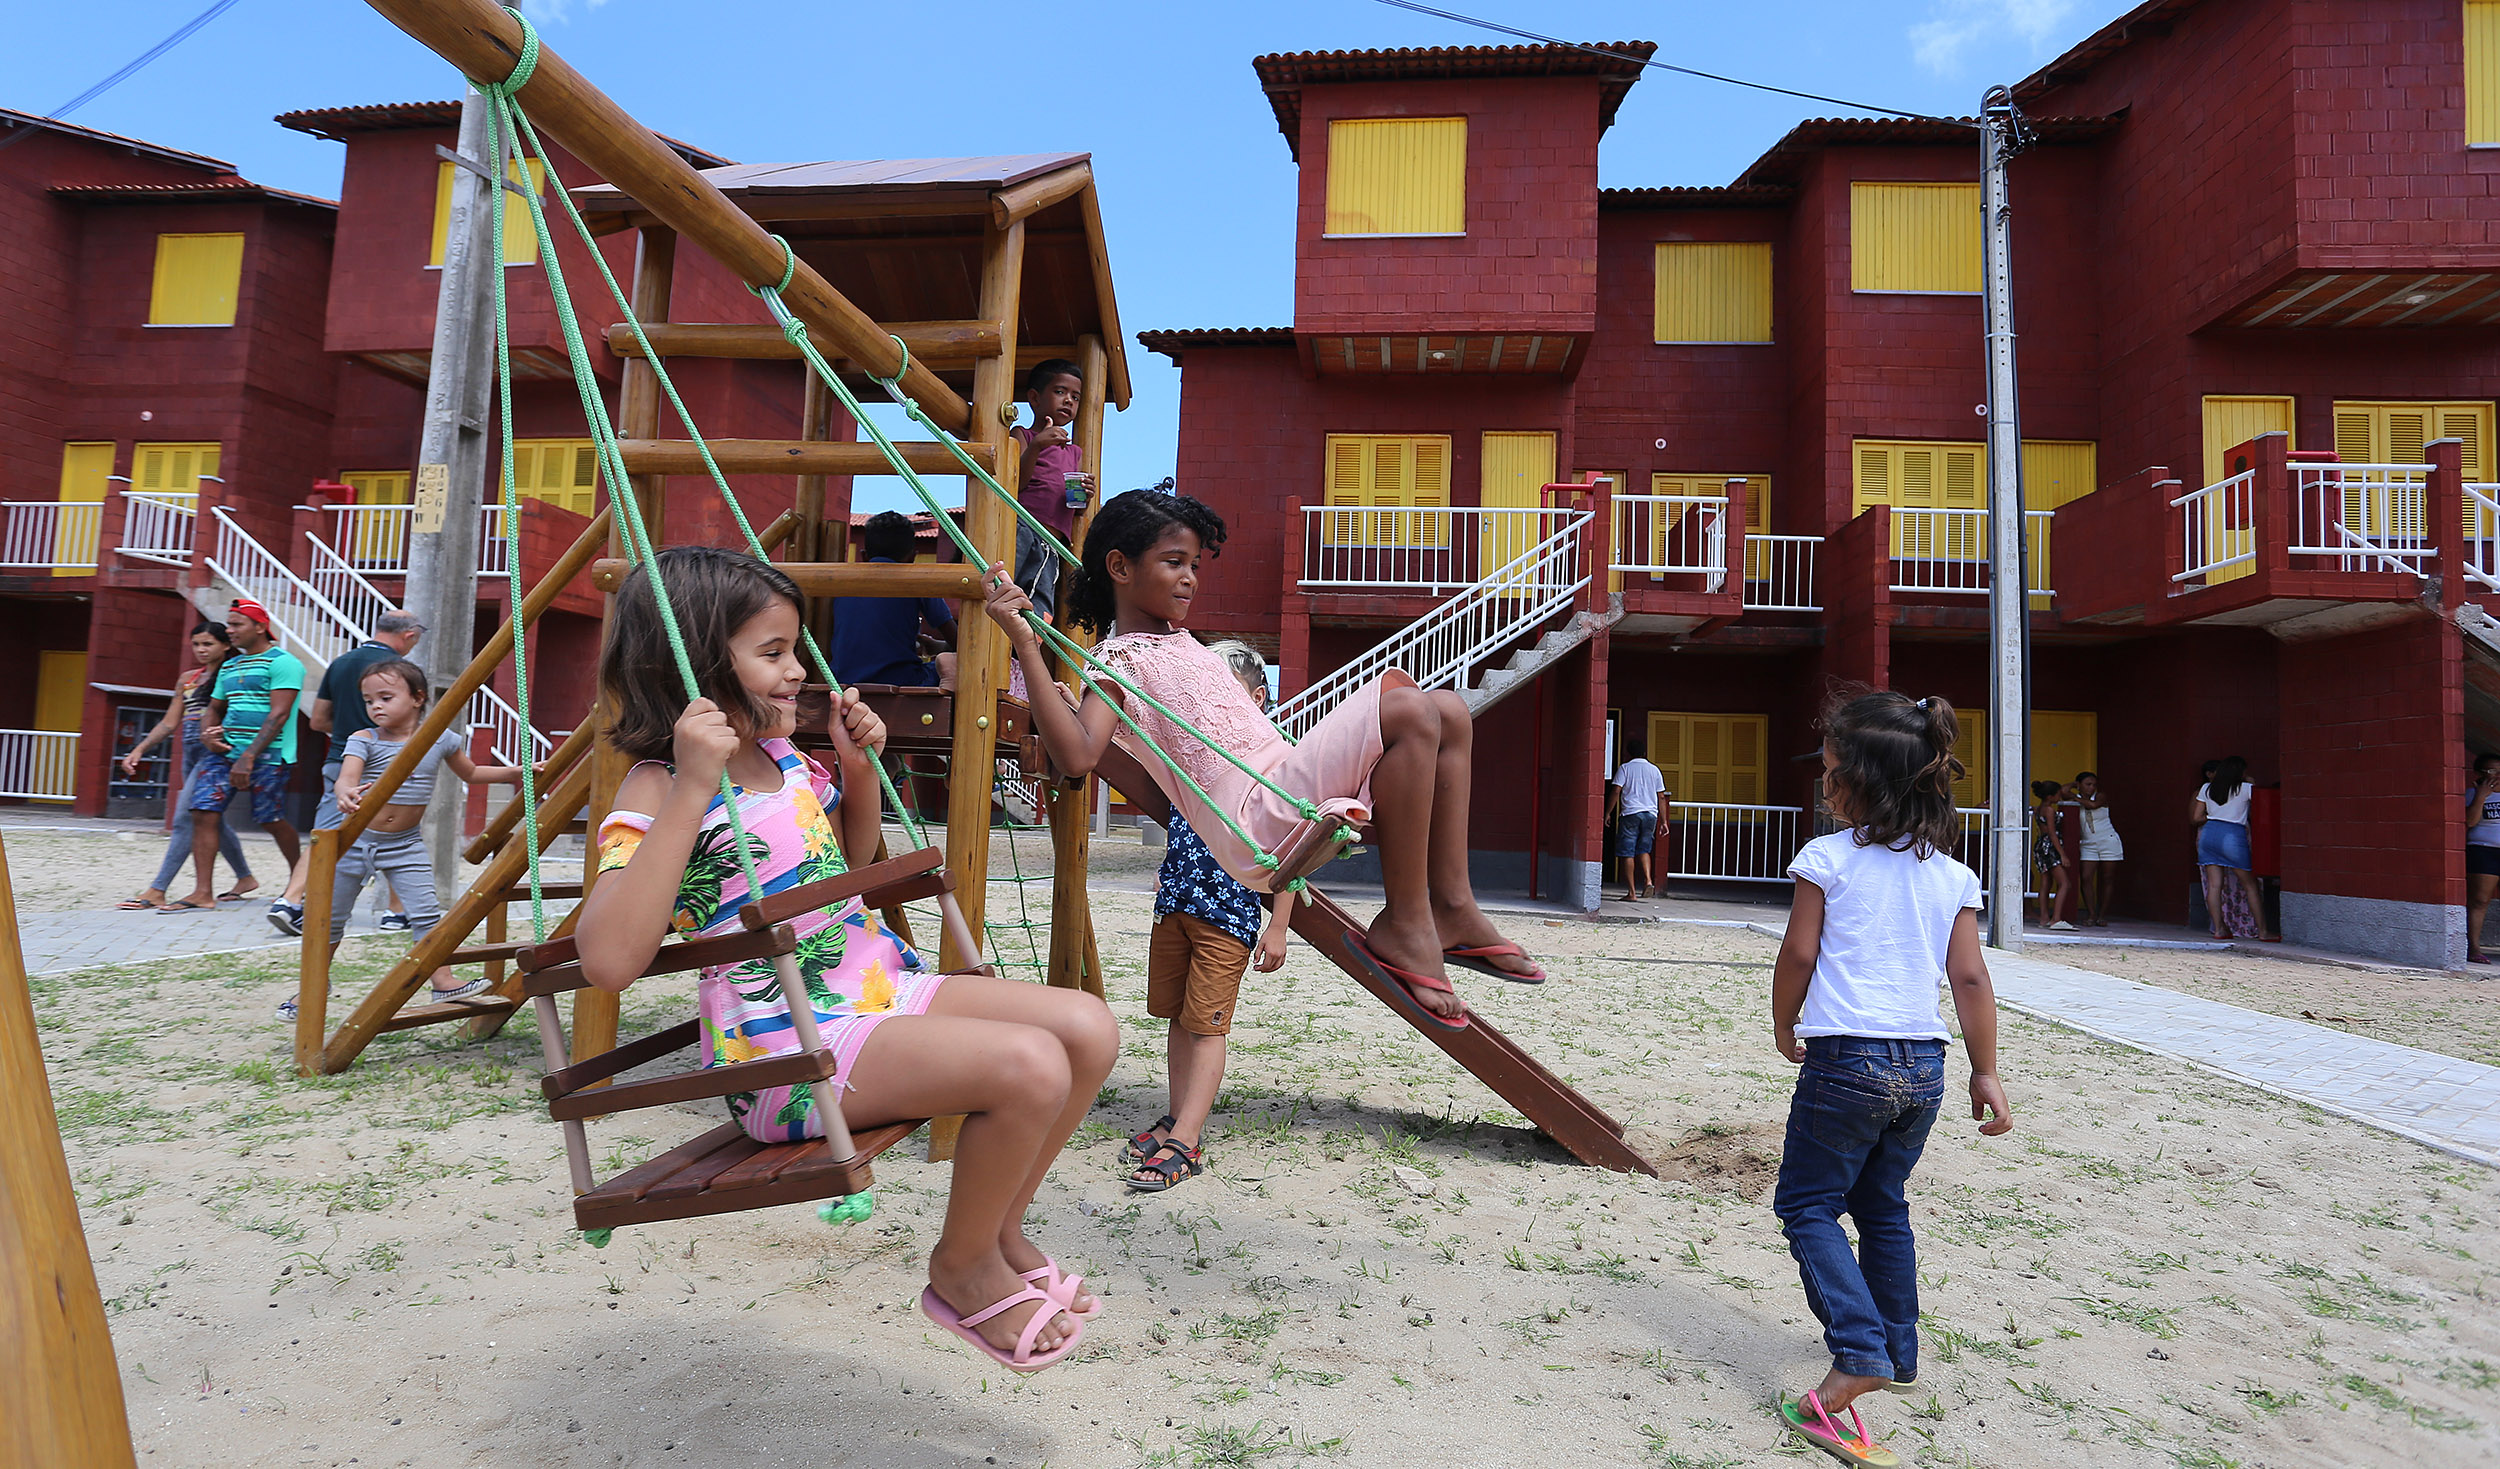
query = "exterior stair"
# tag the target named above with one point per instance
(1525, 663)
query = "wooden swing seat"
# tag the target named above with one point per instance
(724, 1169)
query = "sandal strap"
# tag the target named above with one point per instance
(1019, 1298)
(1171, 1157)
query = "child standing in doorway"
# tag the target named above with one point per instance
(1053, 484)
(1205, 924)
(1880, 914)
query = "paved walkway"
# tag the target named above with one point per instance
(78, 939)
(2447, 1103)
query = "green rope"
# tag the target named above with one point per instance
(1080, 658)
(720, 481)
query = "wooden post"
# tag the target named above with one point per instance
(981, 649)
(312, 984)
(808, 543)
(639, 406)
(61, 1393)
(1071, 805)
(484, 42)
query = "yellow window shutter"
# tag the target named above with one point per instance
(2471, 423)
(2482, 72)
(378, 487)
(1705, 755)
(2233, 421)
(1397, 176)
(197, 280)
(1914, 238)
(1875, 476)
(1430, 485)
(584, 499)
(2356, 434)
(1917, 489)
(520, 237)
(1710, 292)
(1970, 746)
(1666, 748)
(1746, 736)
(1346, 465)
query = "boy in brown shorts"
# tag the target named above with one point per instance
(1205, 926)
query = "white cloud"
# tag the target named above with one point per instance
(1957, 25)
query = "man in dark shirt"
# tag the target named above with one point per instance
(877, 639)
(338, 710)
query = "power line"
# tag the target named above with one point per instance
(1707, 76)
(215, 10)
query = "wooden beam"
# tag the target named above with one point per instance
(1072, 806)
(1106, 304)
(660, 457)
(940, 344)
(484, 42)
(61, 1395)
(1034, 195)
(949, 579)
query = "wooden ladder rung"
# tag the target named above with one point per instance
(442, 1010)
(481, 953)
(519, 892)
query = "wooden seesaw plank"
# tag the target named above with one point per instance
(1553, 1105)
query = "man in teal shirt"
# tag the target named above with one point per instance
(250, 735)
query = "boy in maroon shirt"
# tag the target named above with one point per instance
(1051, 482)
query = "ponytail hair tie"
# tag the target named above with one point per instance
(1927, 705)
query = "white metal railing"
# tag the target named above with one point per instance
(1734, 843)
(374, 538)
(1947, 550)
(345, 588)
(2482, 535)
(1779, 573)
(310, 626)
(2217, 529)
(160, 525)
(1444, 647)
(1670, 535)
(50, 535)
(1418, 548)
(504, 730)
(2362, 517)
(39, 764)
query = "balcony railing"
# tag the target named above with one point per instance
(2482, 536)
(2217, 531)
(1424, 549)
(50, 535)
(160, 525)
(374, 538)
(1779, 573)
(2362, 517)
(1947, 551)
(1670, 535)
(39, 764)
(1734, 843)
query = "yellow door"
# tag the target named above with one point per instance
(1516, 469)
(2056, 472)
(2064, 744)
(60, 698)
(86, 473)
(2229, 423)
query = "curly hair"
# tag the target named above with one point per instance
(1894, 769)
(714, 592)
(1129, 524)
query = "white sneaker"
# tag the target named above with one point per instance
(2062, 923)
(476, 986)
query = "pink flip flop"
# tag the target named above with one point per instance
(1061, 1288)
(1404, 983)
(1809, 1421)
(934, 1306)
(1479, 957)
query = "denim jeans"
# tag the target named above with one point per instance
(1856, 1126)
(178, 842)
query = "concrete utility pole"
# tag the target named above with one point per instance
(451, 456)
(2002, 134)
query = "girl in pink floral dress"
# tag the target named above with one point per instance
(1392, 756)
(1023, 1062)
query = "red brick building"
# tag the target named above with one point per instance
(208, 384)
(2257, 263)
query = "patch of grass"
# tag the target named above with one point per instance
(1657, 1448)
(2157, 1320)
(2265, 1402)
(2380, 1395)
(1229, 1327)
(115, 1115)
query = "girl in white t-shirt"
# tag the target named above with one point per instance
(1881, 915)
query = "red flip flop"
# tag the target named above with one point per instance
(1404, 983)
(1477, 957)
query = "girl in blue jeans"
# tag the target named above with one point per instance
(1880, 914)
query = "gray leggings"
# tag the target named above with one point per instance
(178, 850)
(400, 857)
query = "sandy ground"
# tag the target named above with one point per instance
(2155, 1268)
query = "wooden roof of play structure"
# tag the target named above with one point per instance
(903, 238)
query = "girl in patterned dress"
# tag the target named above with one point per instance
(1022, 1062)
(1412, 747)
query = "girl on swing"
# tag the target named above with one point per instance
(1022, 1062)
(1408, 747)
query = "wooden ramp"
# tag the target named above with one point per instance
(1483, 1051)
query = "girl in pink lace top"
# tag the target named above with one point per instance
(1391, 756)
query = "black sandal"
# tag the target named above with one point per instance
(1142, 1146)
(1170, 1162)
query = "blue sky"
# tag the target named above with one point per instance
(1196, 183)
